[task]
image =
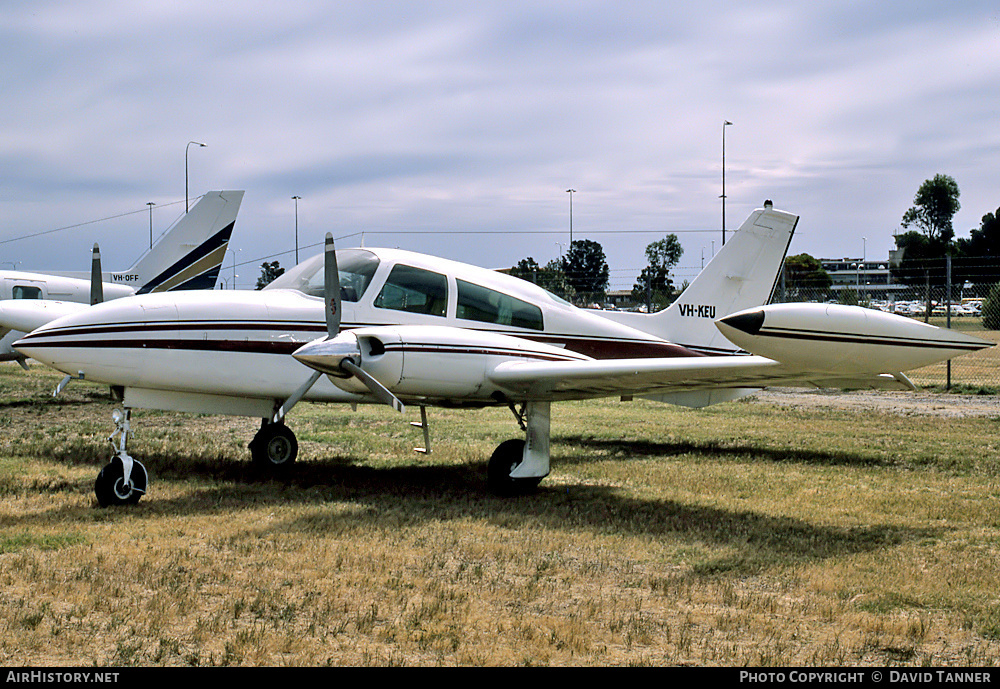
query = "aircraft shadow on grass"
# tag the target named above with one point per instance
(417, 492)
(625, 449)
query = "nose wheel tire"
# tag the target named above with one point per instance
(274, 447)
(111, 488)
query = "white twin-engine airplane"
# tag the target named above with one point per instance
(408, 328)
(189, 255)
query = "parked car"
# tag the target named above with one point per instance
(956, 310)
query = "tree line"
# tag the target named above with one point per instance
(581, 274)
(929, 256)
(931, 242)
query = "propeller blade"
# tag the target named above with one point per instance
(376, 387)
(331, 297)
(331, 288)
(314, 354)
(96, 283)
(296, 397)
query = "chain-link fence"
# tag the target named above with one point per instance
(977, 372)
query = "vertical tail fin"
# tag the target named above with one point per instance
(742, 274)
(190, 254)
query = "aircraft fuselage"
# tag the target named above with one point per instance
(230, 351)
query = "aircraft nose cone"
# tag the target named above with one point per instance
(749, 322)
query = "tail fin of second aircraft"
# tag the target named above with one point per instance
(742, 274)
(190, 254)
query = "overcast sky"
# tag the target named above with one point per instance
(455, 128)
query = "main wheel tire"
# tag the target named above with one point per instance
(274, 447)
(110, 486)
(508, 455)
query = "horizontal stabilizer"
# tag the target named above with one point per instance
(24, 315)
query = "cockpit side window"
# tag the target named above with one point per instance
(415, 291)
(356, 273)
(26, 292)
(356, 267)
(476, 303)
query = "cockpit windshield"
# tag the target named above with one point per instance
(356, 267)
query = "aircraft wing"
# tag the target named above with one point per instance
(792, 345)
(796, 345)
(605, 378)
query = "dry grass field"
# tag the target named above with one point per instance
(979, 369)
(743, 534)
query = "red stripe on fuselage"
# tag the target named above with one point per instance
(595, 348)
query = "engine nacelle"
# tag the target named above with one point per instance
(851, 339)
(425, 362)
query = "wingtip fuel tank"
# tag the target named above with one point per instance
(851, 339)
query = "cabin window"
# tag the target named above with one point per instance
(476, 303)
(26, 292)
(415, 291)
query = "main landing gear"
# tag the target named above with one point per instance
(274, 446)
(123, 480)
(517, 466)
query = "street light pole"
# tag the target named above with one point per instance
(234, 264)
(150, 204)
(725, 123)
(186, 171)
(864, 261)
(570, 192)
(296, 199)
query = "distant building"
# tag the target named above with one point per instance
(871, 279)
(619, 298)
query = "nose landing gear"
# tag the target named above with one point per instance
(123, 480)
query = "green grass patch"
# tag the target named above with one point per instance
(23, 541)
